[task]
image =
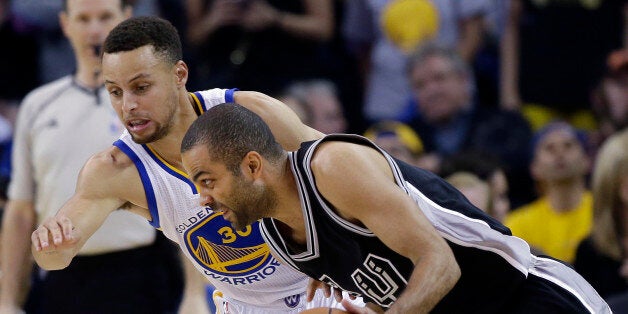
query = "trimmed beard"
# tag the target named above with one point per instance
(161, 132)
(251, 202)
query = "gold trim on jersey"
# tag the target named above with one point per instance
(171, 167)
(198, 103)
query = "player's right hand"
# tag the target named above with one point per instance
(54, 233)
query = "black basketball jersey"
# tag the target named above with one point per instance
(493, 263)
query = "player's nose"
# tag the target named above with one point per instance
(206, 200)
(129, 102)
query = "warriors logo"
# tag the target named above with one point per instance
(223, 250)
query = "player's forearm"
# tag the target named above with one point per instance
(59, 238)
(15, 259)
(433, 277)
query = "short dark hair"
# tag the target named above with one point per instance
(479, 162)
(431, 49)
(230, 131)
(555, 125)
(140, 31)
(123, 4)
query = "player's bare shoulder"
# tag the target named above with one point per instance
(334, 163)
(331, 156)
(111, 177)
(110, 173)
(113, 159)
(111, 162)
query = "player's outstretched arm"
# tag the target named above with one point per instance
(358, 181)
(286, 126)
(59, 238)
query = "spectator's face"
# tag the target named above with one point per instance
(392, 145)
(559, 157)
(441, 91)
(86, 24)
(298, 107)
(499, 194)
(616, 92)
(478, 195)
(327, 115)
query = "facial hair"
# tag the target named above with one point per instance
(162, 130)
(158, 134)
(251, 202)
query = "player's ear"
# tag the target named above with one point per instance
(252, 164)
(181, 73)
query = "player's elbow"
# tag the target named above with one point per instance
(450, 269)
(52, 265)
(451, 274)
(446, 269)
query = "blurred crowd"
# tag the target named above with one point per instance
(520, 104)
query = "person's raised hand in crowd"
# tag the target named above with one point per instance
(219, 13)
(259, 15)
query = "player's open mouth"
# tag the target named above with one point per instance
(137, 125)
(226, 213)
(218, 210)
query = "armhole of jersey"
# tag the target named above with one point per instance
(199, 103)
(270, 235)
(308, 175)
(229, 94)
(148, 187)
(169, 168)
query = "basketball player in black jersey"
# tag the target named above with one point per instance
(346, 213)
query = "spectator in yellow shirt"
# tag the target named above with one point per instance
(556, 222)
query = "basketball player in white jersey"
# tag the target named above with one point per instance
(146, 78)
(59, 125)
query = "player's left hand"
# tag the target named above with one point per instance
(314, 285)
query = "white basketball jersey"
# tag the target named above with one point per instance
(238, 263)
